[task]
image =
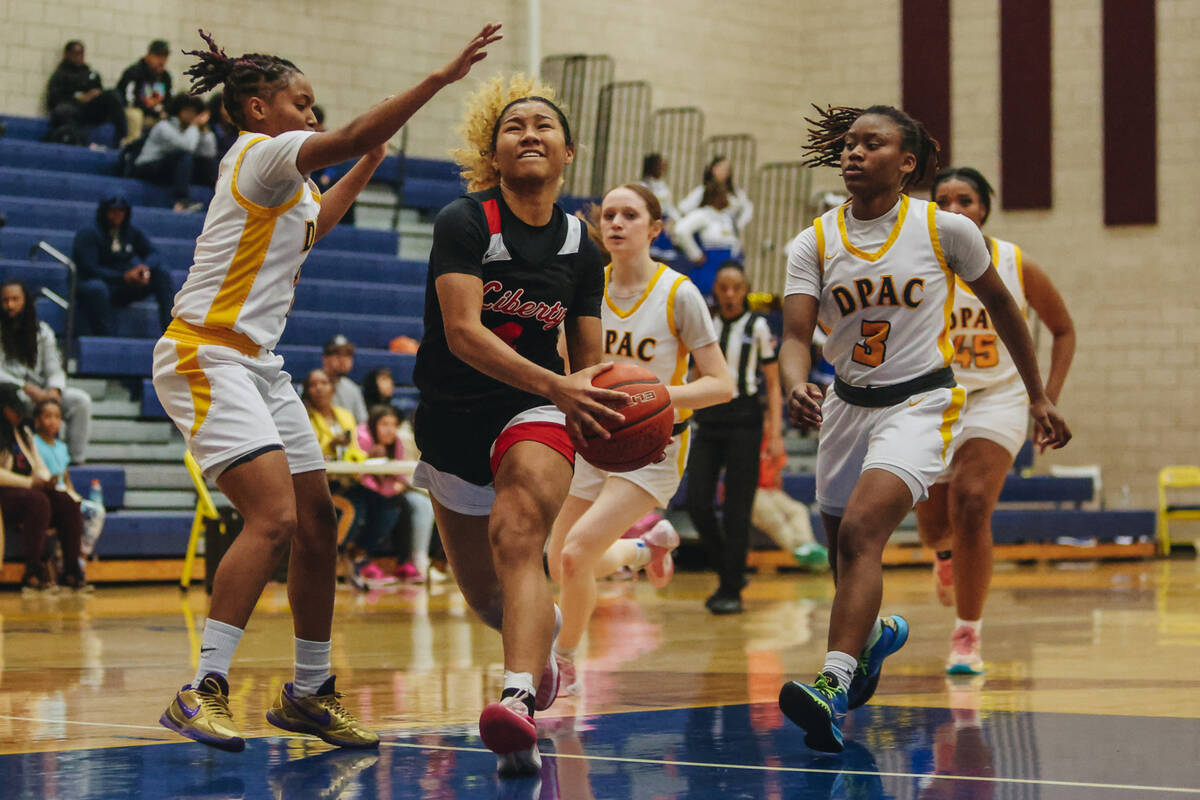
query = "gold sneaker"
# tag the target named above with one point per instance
(203, 714)
(321, 715)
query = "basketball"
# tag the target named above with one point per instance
(646, 430)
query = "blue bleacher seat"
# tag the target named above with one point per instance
(112, 482)
(25, 128)
(145, 534)
(69, 186)
(57, 157)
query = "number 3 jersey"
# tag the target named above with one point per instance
(260, 226)
(980, 359)
(886, 287)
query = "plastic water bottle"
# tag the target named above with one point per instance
(96, 493)
(93, 519)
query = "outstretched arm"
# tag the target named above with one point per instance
(1052, 430)
(372, 129)
(337, 201)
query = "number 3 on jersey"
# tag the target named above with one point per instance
(873, 348)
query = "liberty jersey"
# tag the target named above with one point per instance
(886, 311)
(659, 328)
(260, 227)
(980, 359)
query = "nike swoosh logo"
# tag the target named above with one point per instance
(187, 712)
(322, 719)
(915, 402)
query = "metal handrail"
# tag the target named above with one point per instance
(72, 286)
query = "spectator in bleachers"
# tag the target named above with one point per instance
(719, 242)
(31, 502)
(30, 359)
(337, 362)
(118, 265)
(654, 171)
(145, 86)
(220, 124)
(378, 387)
(180, 151)
(75, 97)
(379, 500)
(335, 426)
(739, 208)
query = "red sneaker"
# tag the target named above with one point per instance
(507, 726)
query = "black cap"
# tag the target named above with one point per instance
(338, 342)
(115, 201)
(159, 47)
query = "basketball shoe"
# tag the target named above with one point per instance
(661, 539)
(893, 634)
(507, 729)
(322, 715)
(819, 708)
(202, 714)
(943, 580)
(568, 680)
(965, 658)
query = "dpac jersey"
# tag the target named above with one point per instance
(533, 278)
(660, 328)
(248, 256)
(887, 312)
(980, 359)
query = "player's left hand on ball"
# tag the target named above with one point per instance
(1052, 431)
(473, 53)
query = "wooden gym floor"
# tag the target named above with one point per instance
(1092, 691)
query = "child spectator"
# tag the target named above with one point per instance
(180, 151)
(380, 499)
(47, 422)
(75, 97)
(29, 357)
(30, 501)
(144, 87)
(118, 265)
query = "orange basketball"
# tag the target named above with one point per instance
(646, 431)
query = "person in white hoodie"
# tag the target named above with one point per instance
(740, 210)
(180, 151)
(719, 242)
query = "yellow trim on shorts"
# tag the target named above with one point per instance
(892, 237)
(958, 396)
(198, 385)
(645, 292)
(197, 335)
(685, 439)
(944, 346)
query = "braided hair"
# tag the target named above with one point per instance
(827, 137)
(249, 75)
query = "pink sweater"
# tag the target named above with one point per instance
(386, 485)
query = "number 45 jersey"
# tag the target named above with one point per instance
(980, 359)
(886, 287)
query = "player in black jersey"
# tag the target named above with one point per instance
(498, 421)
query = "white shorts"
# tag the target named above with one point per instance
(545, 424)
(999, 414)
(228, 403)
(910, 439)
(660, 480)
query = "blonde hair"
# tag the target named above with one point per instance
(479, 124)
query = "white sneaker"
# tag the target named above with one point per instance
(661, 539)
(965, 658)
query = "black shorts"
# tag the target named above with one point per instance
(459, 441)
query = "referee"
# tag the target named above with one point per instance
(730, 437)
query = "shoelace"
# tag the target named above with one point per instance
(217, 704)
(823, 686)
(331, 703)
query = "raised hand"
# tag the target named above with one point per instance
(473, 53)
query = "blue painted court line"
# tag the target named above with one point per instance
(705, 753)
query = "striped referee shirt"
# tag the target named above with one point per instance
(747, 344)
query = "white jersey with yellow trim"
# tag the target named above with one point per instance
(658, 328)
(259, 229)
(980, 359)
(886, 287)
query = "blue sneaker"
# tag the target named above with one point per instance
(870, 663)
(820, 709)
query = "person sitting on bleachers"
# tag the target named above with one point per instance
(75, 97)
(118, 265)
(29, 357)
(337, 361)
(145, 86)
(30, 501)
(719, 242)
(220, 125)
(335, 426)
(180, 151)
(378, 387)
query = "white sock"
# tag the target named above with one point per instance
(557, 620)
(641, 556)
(521, 681)
(976, 626)
(876, 632)
(312, 667)
(841, 666)
(216, 649)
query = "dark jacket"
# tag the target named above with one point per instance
(140, 81)
(68, 80)
(93, 251)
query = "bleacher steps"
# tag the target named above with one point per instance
(130, 431)
(114, 452)
(166, 499)
(157, 476)
(114, 408)
(96, 388)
